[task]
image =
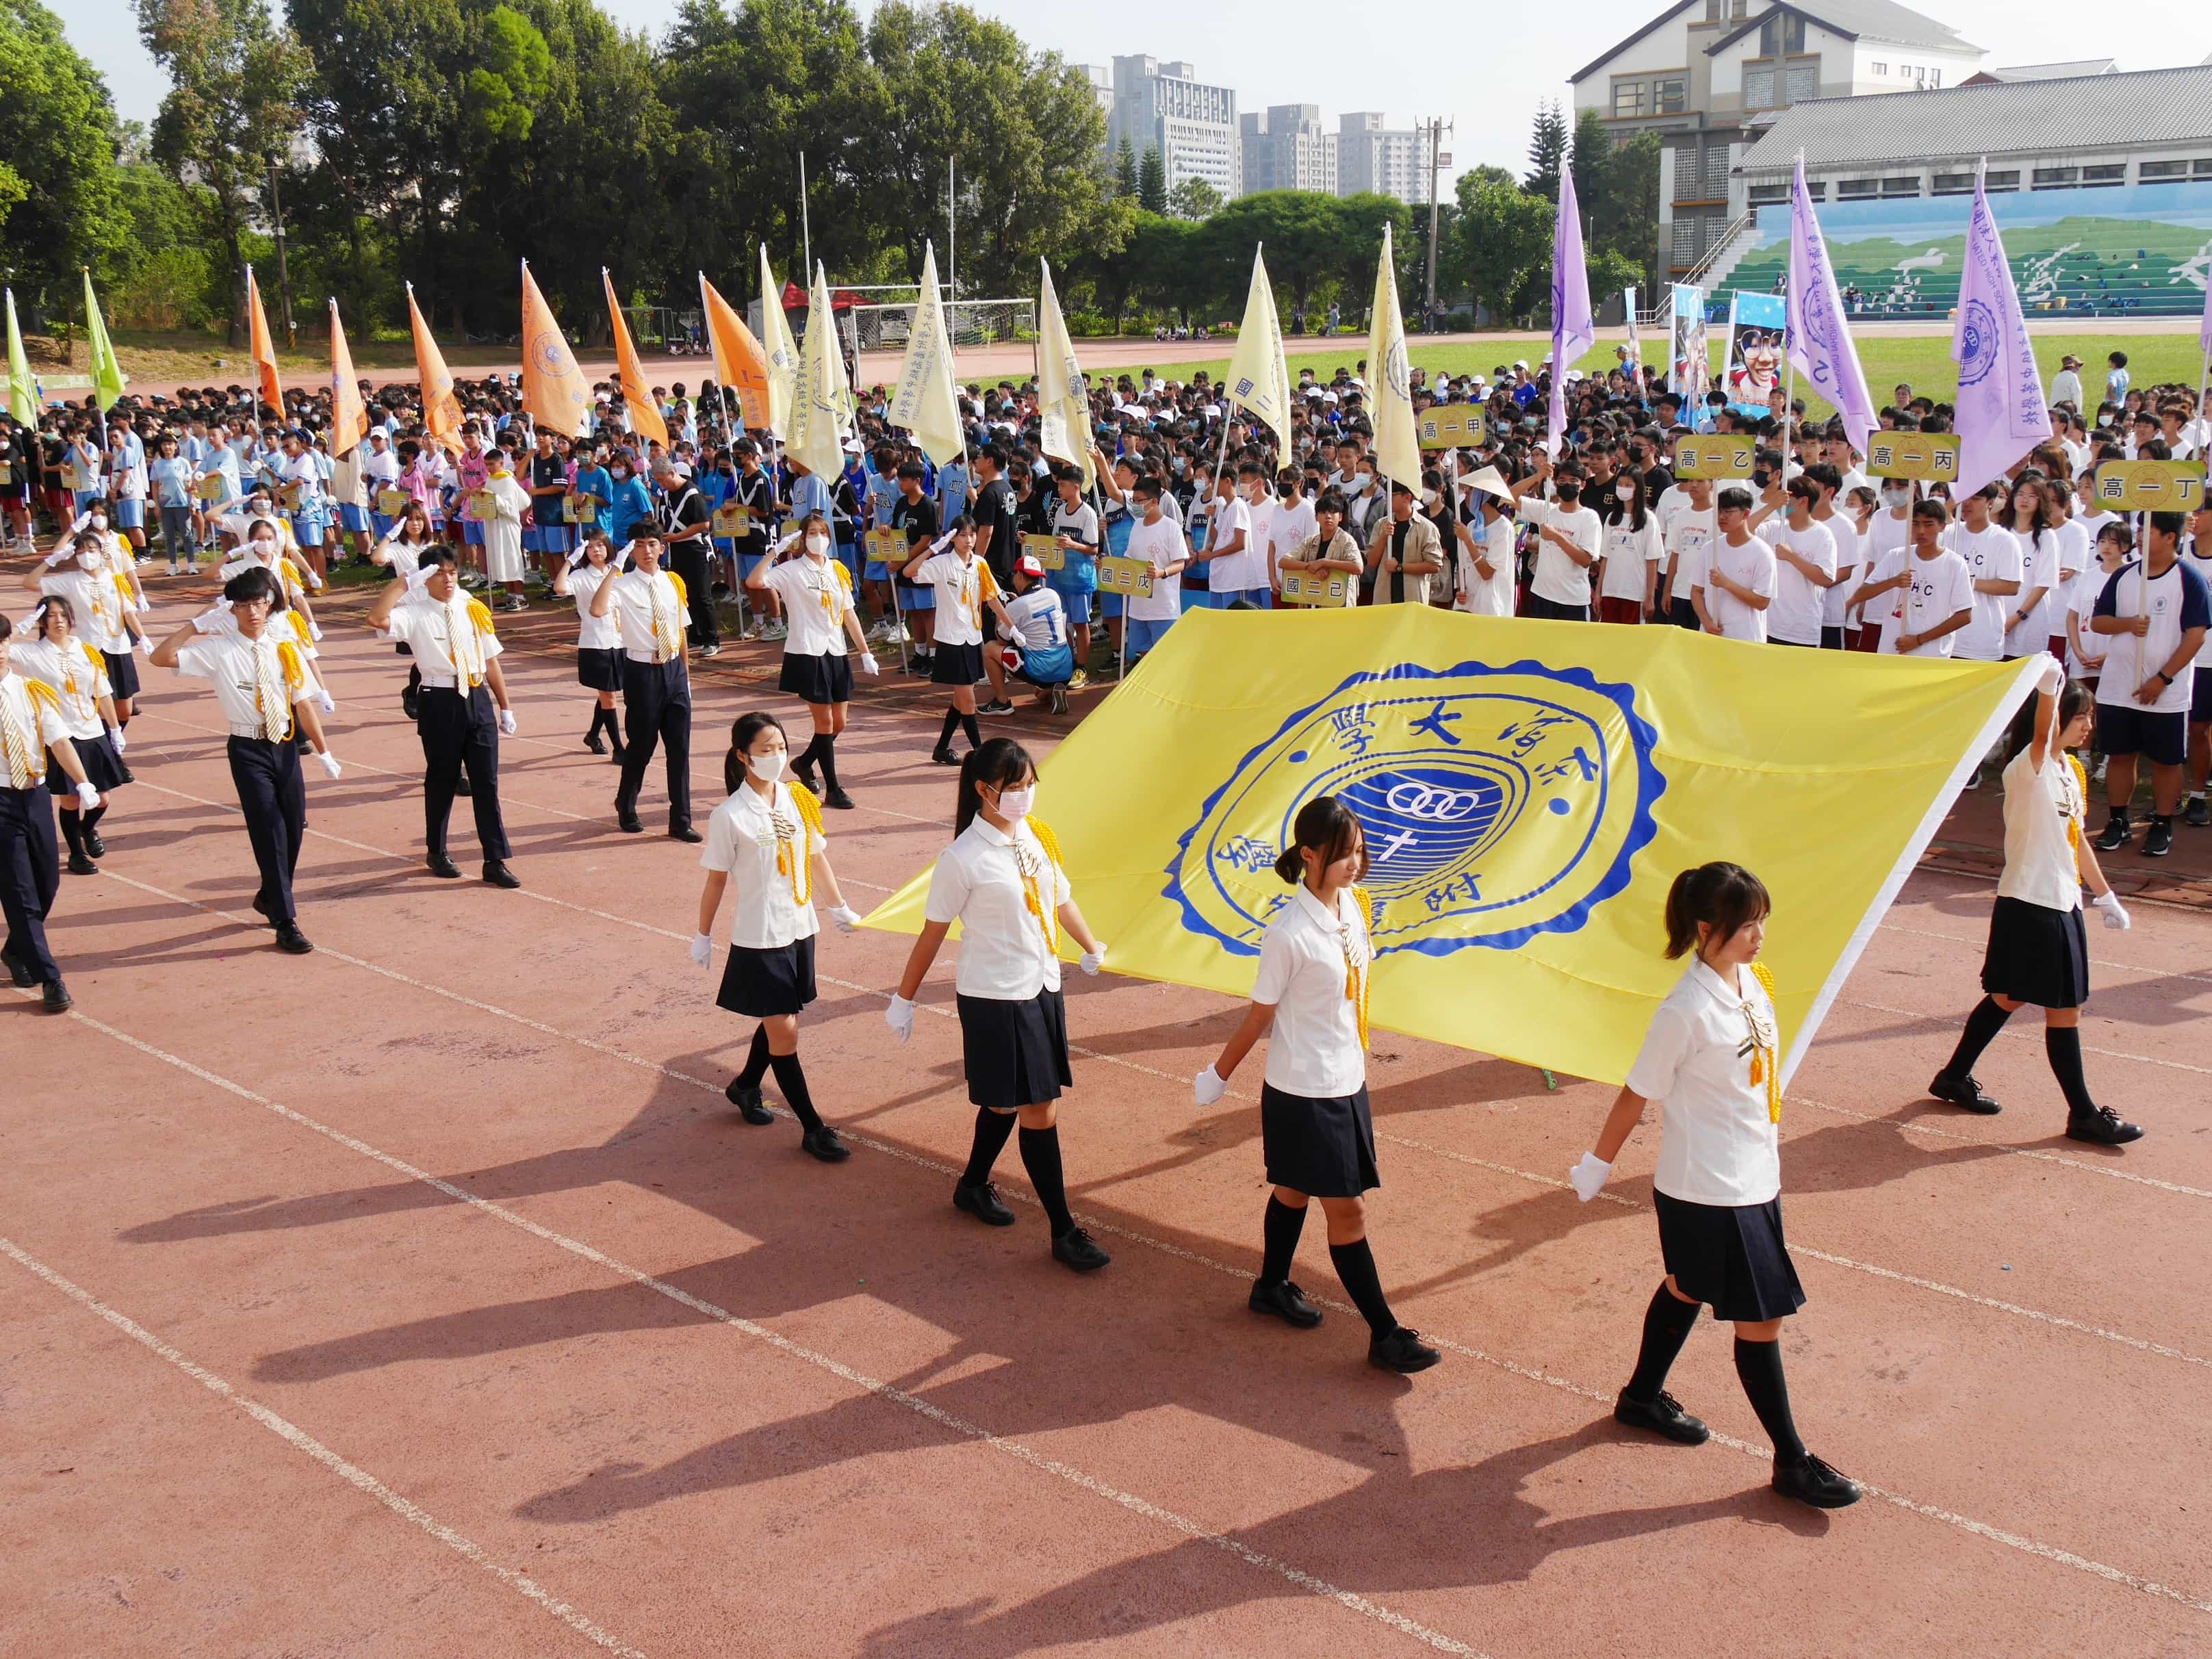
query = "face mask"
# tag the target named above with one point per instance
(1624, 492)
(1429, 498)
(622, 472)
(1358, 483)
(263, 547)
(1896, 497)
(767, 768)
(817, 545)
(1014, 804)
(100, 521)
(1570, 493)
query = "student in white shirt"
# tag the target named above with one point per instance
(1805, 563)
(650, 605)
(599, 639)
(2038, 951)
(822, 631)
(2085, 652)
(1569, 540)
(1996, 568)
(1003, 882)
(1036, 626)
(33, 737)
(1483, 583)
(1712, 1058)
(1935, 590)
(1889, 530)
(965, 588)
(1310, 1000)
(1158, 540)
(2157, 612)
(1633, 548)
(1236, 556)
(58, 659)
(767, 841)
(2036, 519)
(1693, 526)
(1736, 587)
(2198, 812)
(399, 548)
(1290, 524)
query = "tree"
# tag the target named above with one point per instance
(1547, 152)
(1617, 187)
(1125, 169)
(1501, 245)
(1194, 200)
(59, 203)
(1152, 182)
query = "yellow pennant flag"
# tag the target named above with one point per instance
(1259, 381)
(926, 404)
(782, 351)
(1390, 388)
(349, 419)
(108, 378)
(645, 417)
(816, 436)
(554, 390)
(263, 349)
(22, 388)
(441, 410)
(1063, 400)
(1528, 791)
(740, 364)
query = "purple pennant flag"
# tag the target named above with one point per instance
(2002, 414)
(1819, 341)
(1572, 330)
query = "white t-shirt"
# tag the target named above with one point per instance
(978, 882)
(1161, 545)
(2039, 807)
(1942, 588)
(2175, 603)
(1247, 570)
(1558, 578)
(961, 592)
(2081, 605)
(1835, 605)
(1493, 598)
(1886, 534)
(1629, 554)
(1289, 528)
(592, 632)
(817, 597)
(1314, 1048)
(1751, 566)
(1690, 539)
(2039, 569)
(75, 674)
(1716, 1143)
(1799, 608)
(743, 837)
(1992, 556)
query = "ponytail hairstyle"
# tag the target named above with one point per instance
(1331, 828)
(743, 732)
(1725, 898)
(999, 763)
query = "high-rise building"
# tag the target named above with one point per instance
(1286, 149)
(1164, 107)
(1101, 87)
(1371, 155)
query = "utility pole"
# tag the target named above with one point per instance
(283, 278)
(1439, 160)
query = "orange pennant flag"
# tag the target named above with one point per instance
(441, 410)
(644, 414)
(264, 348)
(554, 389)
(739, 363)
(349, 419)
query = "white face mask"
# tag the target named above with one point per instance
(1014, 804)
(767, 768)
(263, 547)
(817, 545)
(1624, 492)
(1429, 498)
(100, 521)
(1896, 497)
(622, 472)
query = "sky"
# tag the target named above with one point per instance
(1410, 59)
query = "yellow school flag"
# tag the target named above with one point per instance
(1063, 402)
(108, 378)
(645, 417)
(441, 410)
(263, 348)
(926, 402)
(22, 388)
(554, 389)
(782, 351)
(1528, 790)
(740, 364)
(349, 419)
(816, 437)
(1259, 381)
(1390, 385)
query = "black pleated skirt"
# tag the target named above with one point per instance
(600, 668)
(1016, 1052)
(1730, 1257)
(825, 679)
(1323, 1147)
(2037, 955)
(103, 767)
(122, 673)
(957, 664)
(761, 983)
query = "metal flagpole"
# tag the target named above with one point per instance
(806, 234)
(1790, 307)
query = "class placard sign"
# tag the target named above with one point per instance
(1930, 456)
(390, 502)
(1046, 550)
(2151, 486)
(582, 509)
(888, 546)
(287, 495)
(1716, 455)
(1315, 587)
(479, 506)
(209, 488)
(1131, 578)
(732, 520)
(7, 473)
(1450, 426)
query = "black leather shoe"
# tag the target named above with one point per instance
(983, 1203)
(55, 998)
(444, 868)
(1074, 1249)
(80, 865)
(95, 844)
(410, 705)
(804, 775)
(822, 1143)
(2102, 1127)
(839, 799)
(1662, 1414)
(496, 875)
(748, 1103)
(1286, 1302)
(944, 757)
(1403, 1351)
(615, 753)
(629, 825)
(687, 833)
(261, 908)
(462, 790)
(1963, 1092)
(594, 743)
(1811, 1481)
(124, 772)
(291, 940)
(21, 975)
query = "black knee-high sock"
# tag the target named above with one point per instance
(791, 1078)
(2062, 1045)
(825, 752)
(1667, 1325)
(757, 1059)
(951, 725)
(1355, 1266)
(72, 832)
(805, 757)
(89, 820)
(1040, 1158)
(1280, 1227)
(604, 717)
(1758, 1367)
(993, 1130)
(1982, 1028)
(968, 725)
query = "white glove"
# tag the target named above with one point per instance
(315, 632)
(900, 1016)
(1207, 1087)
(2108, 904)
(115, 736)
(2053, 680)
(702, 950)
(144, 646)
(1093, 960)
(314, 583)
(417, 576)
(325, 701)
(846, 917)
(330, 767)
(868, 663)
(507, 724)
(1588, 1176)
(87, 796)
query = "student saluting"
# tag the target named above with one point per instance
(650, 605)
(32, 730)
(1311, 988)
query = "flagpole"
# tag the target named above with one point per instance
(1790, 308)
(806, 234)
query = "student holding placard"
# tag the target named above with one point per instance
(1330, 552)
(2156, 614)
(1073, 524)
(1157, 542)
(913, 518)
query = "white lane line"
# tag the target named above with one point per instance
(2098, 962)
(783, 1345)
(2018, 1030)
(300, 1440)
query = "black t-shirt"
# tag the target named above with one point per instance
(548, 471)
(757, 494)
(685, 508)
(993, 509)
(1398, 534)
(918, 518)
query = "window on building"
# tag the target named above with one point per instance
(1739, 9)
(1685, 244)
(1901, 186)
(2149, 170)
(1627, 99)
(1760, 195)
(2056, 178)
(2202, 168)
(1935, 77)
(1953, 183)
(1758, 89)
(2112, 173)
(1670, 96)
(1851, 188)
(1879, 68)
(1996, 182)
(1802, 82)
(1781, 33)
(1712, 11)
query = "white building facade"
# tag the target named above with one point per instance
(1286, 148)
(1371, 155)
(1164, 107)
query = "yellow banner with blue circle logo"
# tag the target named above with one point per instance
(1528, 790)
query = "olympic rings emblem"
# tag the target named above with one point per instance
(1419, 801)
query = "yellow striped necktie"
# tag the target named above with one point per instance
(269, 699)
